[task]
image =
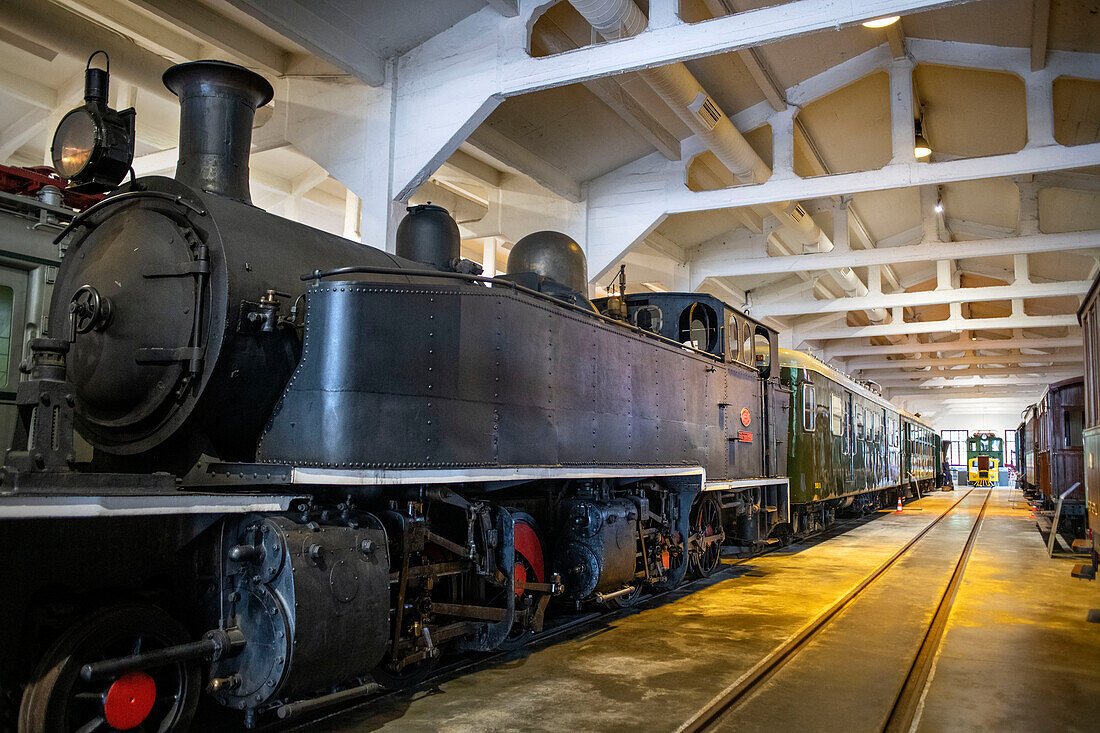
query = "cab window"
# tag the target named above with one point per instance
(733, 342)
(699, 327)
(648, 318)
(762, 349)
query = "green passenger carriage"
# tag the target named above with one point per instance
(850, 448)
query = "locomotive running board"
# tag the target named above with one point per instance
(57, 507)
(747, 483)
(384, 477)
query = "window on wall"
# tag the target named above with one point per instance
(1075, 428)
(836, 414)
(809, 407)
(956, 452)
(6, 302)
(847, 439)
(1010, 443)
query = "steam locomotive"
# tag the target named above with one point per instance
(317, 466)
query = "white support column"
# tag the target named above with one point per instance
(931, 220)
(874, 279)
(1040, 109)
(1022, 269)
(663, 13)
(841, 238)
(489, 257)
(345, 128)
(943, 275)
(782, 123)
(292, 207)
(1029, 205)
(901, 111)
(352, 216)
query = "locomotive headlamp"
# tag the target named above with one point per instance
(94, 145)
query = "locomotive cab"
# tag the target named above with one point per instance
(703, 323)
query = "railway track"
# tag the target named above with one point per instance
(904, 707)
(472, 664)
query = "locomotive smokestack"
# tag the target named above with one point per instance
(218, 102)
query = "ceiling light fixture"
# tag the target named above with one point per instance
(881, 22)
(939, 208)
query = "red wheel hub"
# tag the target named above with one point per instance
(528, 547)
(129, 700)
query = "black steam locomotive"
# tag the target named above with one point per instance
(316, 466)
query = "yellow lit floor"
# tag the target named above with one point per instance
(1018, 653)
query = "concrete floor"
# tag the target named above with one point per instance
(1018, 653)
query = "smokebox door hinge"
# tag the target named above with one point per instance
(181, 269)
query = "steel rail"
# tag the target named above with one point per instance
(766, 667)
(907, 703)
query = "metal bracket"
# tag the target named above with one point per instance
(181, 269)
(154, 355)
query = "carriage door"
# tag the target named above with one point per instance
(13, 323)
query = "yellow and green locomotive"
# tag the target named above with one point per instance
(984, 457)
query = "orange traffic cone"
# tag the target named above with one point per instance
(1032, 512)
(899, 505)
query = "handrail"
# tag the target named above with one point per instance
(80, 218)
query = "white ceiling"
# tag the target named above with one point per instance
(574, 136)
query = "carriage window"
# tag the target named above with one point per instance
(861, 420)
(699, 327)
(648, 318)
(846, 441)
(836, 415)
(7, 298)
(809, 407)
(1075, 427)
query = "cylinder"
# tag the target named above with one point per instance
(218, 102)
